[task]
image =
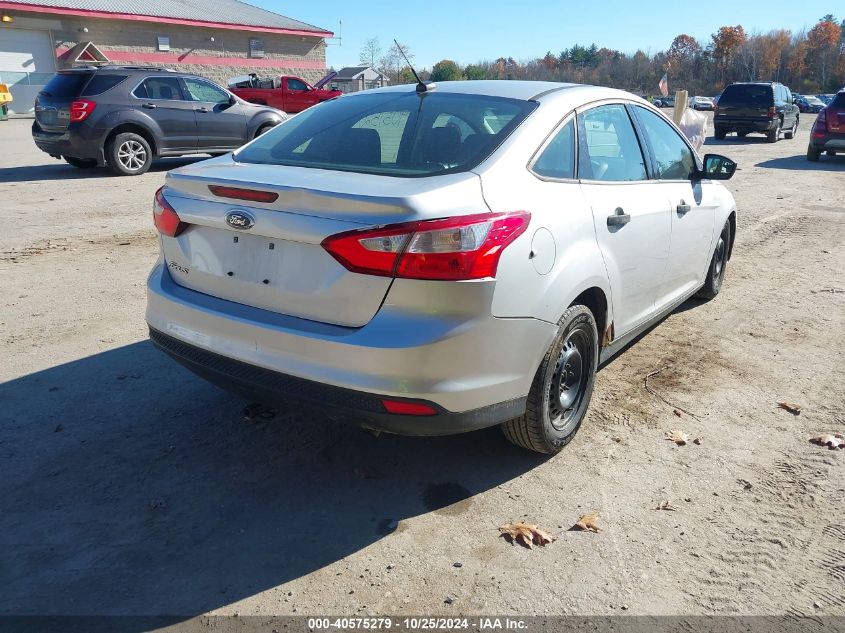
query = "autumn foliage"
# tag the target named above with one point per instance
(811, 62)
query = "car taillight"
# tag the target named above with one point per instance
(820, 126)
(81, 109)
(463, 247)
(772, 112)
(236, 193)
(165, 217)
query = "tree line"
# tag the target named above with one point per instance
(808, 62)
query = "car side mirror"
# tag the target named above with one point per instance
(717, 167)
(232, 100)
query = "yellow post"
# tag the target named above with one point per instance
(681, 100)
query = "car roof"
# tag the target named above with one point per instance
(522, 90)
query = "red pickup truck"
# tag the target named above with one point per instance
(288, 94)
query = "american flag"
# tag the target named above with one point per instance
(664, 85)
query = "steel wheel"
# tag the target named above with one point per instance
(132, 155)
(571, 376)
(720, 258)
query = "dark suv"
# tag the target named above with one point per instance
(764, 107)
(124, 116)
(828, 134)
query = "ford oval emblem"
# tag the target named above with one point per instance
(240, 220)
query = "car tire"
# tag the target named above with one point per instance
(81, 163)
(129, 154)
(720, 133)
(562, 387)
(830, 153)
(813, 153)
(790, 133)
(742, 134)
(718, 265)
(774, 135)
(262, 129)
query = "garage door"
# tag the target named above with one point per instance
(27, 61)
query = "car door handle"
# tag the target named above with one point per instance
(149, 106)
(683, 208)
(202, 109)
(619, 218)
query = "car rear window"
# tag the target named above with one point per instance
(390, 133)
(101, 83)
(838, 100)
(750, 94)
(66, 85)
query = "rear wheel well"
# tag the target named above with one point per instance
(135, 129)
(595, 300)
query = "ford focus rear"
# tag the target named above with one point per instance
(406, 260)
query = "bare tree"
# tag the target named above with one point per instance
(370, 52)
(393, 62)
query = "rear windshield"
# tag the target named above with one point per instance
(747, 94)
(101, 83)
(393, 134)
(66, 85)
(838, 100)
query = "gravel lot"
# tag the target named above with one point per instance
(128, 486)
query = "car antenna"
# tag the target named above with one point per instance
(421, 87)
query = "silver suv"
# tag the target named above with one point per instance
(439, 259)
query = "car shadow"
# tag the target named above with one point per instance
(800, 163)
(63, 171)
(735, 140)
(130, 487)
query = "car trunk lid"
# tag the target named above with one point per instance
(269, 255)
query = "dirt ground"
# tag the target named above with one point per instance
(128, 486)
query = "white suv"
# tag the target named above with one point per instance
(438, 259)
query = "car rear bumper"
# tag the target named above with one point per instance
(834, 142)
(474, 369)
(76, 141)
(745, 125)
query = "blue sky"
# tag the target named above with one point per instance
(472, 30)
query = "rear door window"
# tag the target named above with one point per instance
(838, 100)
(392, 133)
(609, 150)
(66, 85)
(166, 88)
(557, 160)
(102, 83)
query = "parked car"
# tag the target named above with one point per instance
(828, 133)
(124, 116)
(701, 103)
(825, 99)
(809, 103)
(289, 94)
(667, 102)
(761, 107)
(436, 262)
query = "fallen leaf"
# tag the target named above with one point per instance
(676, 412)
(588, 522)
(679, 437)
(525, 534)
(794, 409)
(697, 441)
(618, 440)
(666, 505)
(831, 440)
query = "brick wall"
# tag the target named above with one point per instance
(191, 48)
